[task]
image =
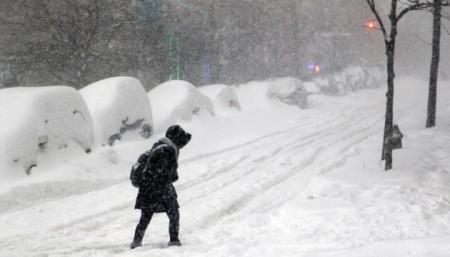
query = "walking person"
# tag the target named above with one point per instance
(154, 175)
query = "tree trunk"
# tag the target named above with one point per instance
(434, 69)
(389, 117)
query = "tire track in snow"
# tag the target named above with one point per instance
(324, 166)
(263, 187)
(286, 196)
(305, 140)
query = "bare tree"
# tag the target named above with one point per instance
(69, 40)
(395, 15)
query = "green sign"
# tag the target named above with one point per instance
(148, 10)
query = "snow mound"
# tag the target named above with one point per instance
(38, 119)
(351, 79)
(289, 91)
(120, 109)
(311, 88)
(177, 100)
(223, 97)
(375, 77)
(253, 96)
(266, 95)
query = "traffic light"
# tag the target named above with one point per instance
(371, 25)
(315, 68)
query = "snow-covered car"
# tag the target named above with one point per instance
(40, 119)
(177, 100)
(119, 108)
(375, 77)
(350, 79)
(311, 88)
(289, 91)
(265, 95)
(223, 97)
(355, 78)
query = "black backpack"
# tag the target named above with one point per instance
(136, 176)
(138, 169)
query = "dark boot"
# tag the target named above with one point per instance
(135, 244)
(174, 243)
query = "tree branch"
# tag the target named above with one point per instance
(416, 5)
(373, 8)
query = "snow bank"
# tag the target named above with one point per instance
(311, 88)
(289, 91)
(253, 96)
(264, 95)
(120, 109)
(223, 97)
(37, 119)
(350, 79)
(177, 100)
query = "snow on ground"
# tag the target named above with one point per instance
(177, 100)
(40, 120)
(119, 108)
(272, 180)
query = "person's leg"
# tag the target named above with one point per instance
(146, 217)
(174, 224)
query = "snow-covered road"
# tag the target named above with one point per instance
(283, 192)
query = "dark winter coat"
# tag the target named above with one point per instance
(156, 191)
(158, 170)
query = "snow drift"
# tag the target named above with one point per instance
(37, 119)
(311, 88)
(120, 109)
(353, 78)
(289, 91)
(264, 95)
(177, 100)
(223, 97)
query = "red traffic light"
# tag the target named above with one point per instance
(372, 25)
